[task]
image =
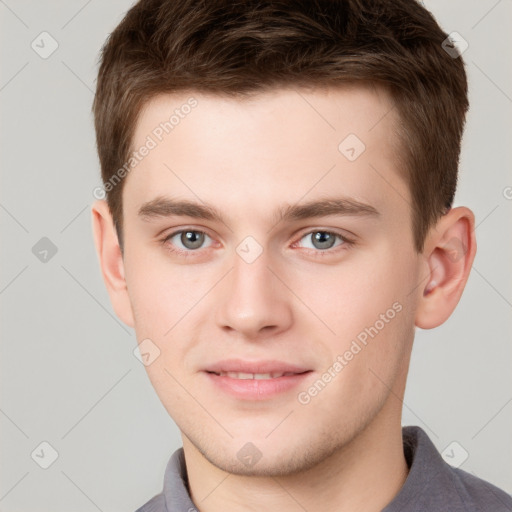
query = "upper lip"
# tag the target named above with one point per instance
(241, 366)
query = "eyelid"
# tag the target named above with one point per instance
(176, 231)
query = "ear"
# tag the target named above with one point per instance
(111, 261)
(449, 252)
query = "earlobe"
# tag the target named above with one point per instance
(111, 261)
(449, 253)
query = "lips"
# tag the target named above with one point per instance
(240, 369)
(255, 380)
(259, 376)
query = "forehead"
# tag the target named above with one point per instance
(360, 107)
(275, 146)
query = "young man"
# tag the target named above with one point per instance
(278, 220)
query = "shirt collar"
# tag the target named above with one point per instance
(176, 490)
(428, 474)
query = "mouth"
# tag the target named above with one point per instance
(256, 376)
(261, 380)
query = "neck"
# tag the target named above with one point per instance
(364, 475)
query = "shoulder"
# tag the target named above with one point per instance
(155, 504)
(432, 484)
(478, 493)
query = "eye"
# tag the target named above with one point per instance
(190, 239)
(322, 240)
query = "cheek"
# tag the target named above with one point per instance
(353, 295)
(367, 308)
(161, 293)
(169, 304)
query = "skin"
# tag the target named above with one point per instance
(296, 302)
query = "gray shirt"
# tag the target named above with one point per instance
(432, 484)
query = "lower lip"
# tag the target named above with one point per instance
(257, 389)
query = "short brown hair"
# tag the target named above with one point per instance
(240, 47)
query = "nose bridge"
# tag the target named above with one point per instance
(253, 298)
(251, 278)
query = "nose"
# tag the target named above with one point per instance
(253, 301)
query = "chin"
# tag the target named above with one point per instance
(261, 458)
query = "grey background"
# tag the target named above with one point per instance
(69, 376)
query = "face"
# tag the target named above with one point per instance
(266, 236)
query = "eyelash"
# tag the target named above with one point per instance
(346, 243)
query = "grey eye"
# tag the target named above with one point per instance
(322, 239)
(189, 239)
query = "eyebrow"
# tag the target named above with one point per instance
(167, 207)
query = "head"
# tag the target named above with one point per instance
(308, 152)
